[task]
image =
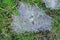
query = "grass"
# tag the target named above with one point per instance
(8, 7)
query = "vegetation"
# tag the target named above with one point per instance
(8, 7)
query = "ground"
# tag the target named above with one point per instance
(8, 7)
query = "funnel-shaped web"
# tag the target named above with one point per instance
(31, 18)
